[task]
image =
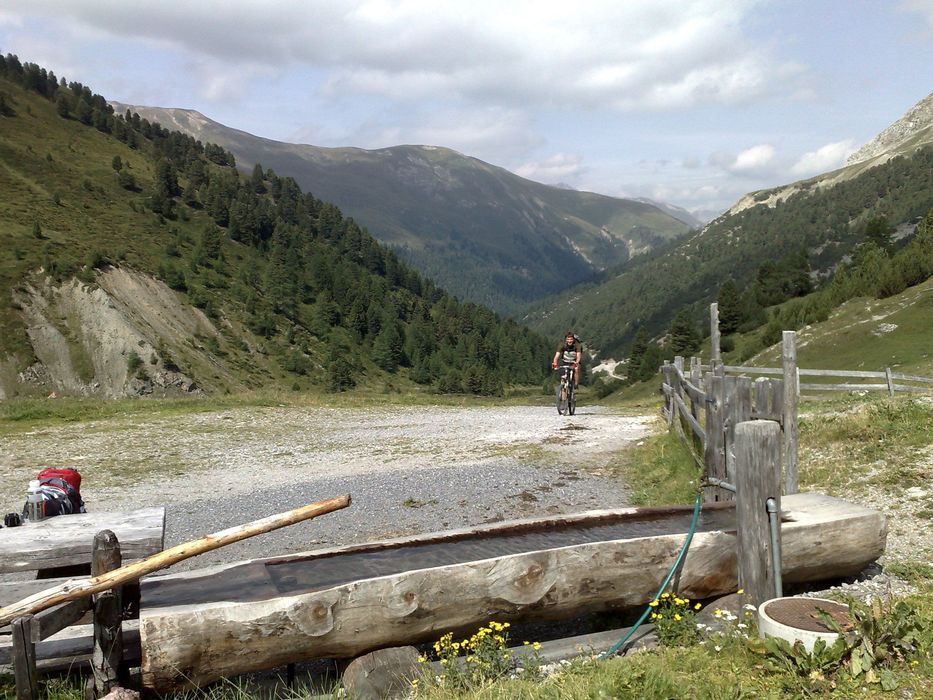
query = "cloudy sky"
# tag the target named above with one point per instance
(692, 102)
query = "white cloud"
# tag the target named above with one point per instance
(558, 168)
(828, 157)
(662, 54)
(752, 159)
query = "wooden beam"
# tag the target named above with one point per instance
(789, 422)
(107, 657)
(24, 658)
(715, 355)
(78, 588)
(758, 478)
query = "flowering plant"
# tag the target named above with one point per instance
(674, 620)
(481, 657)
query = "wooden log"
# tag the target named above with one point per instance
(78, 588)
(66, 541)
(757, 478)
(107, 658)
(738, 409)
(890, 380)
(789, 422)
(189, 645)
(911, 389)
(24, 658)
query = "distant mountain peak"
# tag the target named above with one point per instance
(917, 119)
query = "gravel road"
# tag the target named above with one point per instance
(408, 469)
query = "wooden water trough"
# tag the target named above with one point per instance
(199, 626)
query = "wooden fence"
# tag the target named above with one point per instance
(852, 380)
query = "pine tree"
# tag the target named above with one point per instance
(729, 307)
(684, 338)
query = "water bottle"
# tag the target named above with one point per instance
(34, 501)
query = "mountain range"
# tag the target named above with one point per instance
(480, 231)
(823, 218)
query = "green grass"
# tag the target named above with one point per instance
(658, 471)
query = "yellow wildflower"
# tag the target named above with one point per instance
(697, 606)
(653, 603)
(740, 591)
(677, 617)
(665, 595)
(536, 646)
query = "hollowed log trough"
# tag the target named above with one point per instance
(200, 626)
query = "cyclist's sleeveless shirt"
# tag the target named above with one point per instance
(569, 355)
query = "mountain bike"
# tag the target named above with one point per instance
(566, 394)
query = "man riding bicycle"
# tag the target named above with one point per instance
(570, 351)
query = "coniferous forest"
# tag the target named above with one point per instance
(324, 298)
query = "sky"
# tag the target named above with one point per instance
(689, 102)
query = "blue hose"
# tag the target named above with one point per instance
(680, 557)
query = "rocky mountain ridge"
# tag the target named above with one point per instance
(918, 119)
(480, 231)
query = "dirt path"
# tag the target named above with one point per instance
(409, 469)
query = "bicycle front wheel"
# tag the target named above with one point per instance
(572, 402)
(562, 399)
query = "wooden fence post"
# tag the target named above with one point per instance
(714, 457)
(107, 658)
(890, 379)
(25, 635)
(789, 357)
(758, 478)
(715, 355)
(738, 408)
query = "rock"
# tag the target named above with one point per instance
(385, 673)
(121, 694)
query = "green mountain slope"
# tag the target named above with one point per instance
(140, 260)
(823, 218)
(482, 232)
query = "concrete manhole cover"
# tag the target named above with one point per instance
(801, 613)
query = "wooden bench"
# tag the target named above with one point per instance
(50, 640)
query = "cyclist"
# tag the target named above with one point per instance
(570, 351)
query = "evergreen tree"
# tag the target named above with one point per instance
(729, 307)
(684, 337)
(639, 346)
(879, 232)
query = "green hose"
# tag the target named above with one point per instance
(680, 557)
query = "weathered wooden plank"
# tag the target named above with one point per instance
(690, 418)
(789, 419)
(188, 645)
(842, 387)
(696, 394)
(54, 620)
(715, 354)
(24, 658)
(757, 478)
(64, 649)
(67, 540)
(714, 456)
(911, 377)
(107, 657)
(861, 374)
(911, 389)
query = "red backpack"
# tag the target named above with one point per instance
(65, 487)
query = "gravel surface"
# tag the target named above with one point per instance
(408, 469)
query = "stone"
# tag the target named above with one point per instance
(384, 673)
